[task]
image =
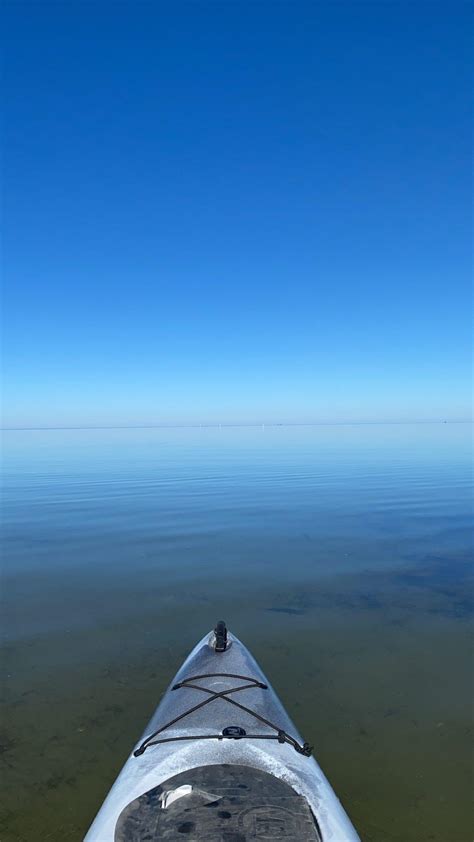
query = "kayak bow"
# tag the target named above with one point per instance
(221, 761)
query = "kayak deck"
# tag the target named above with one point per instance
(221, 803)
(220, 736)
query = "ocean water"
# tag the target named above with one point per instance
(341, 555)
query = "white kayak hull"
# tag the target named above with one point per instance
(192, 743)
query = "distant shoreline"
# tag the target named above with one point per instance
(233, 425)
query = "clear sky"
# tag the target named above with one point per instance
(236, 211)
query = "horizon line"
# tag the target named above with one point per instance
(220, 425)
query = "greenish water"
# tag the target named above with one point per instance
(340, 555)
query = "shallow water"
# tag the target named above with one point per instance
(339, 554)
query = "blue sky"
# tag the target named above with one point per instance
(236, 212)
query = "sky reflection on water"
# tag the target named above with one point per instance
(341, 555)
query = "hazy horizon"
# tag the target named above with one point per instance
(267, 423)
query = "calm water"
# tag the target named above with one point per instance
(340, 555)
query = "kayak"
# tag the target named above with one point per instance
(221, 761)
